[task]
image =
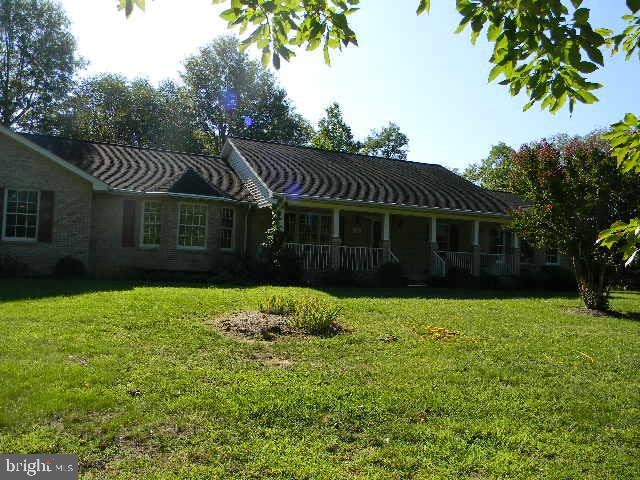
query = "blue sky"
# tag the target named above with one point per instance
(410, 70)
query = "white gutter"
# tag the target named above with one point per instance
(389, 205)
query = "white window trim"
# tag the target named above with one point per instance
(206, 228)
(551, 264)
(5, 206)
(150, 246)
(233, 229)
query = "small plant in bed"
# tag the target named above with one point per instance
(282, 316)
(278, 305)
(316, 316)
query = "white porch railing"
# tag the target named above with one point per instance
(497, 264)
(361, 259)
(314, 258)
(438, 265)
(461, 260)
(318, 258)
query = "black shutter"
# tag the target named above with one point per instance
(1, 208)
(45, 217)
(128, 223)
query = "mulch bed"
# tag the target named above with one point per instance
(257, 326)
(263, 326)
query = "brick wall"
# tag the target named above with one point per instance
(22, 168)
(110, 258)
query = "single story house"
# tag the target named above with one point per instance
(119, 208)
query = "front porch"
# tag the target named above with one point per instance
(362, 239)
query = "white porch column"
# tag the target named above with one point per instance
(336, 241)
(516, 255)
(434, 230)
(386, 228)
(386, 237)
(475, 238)
(336, 223)
(475, 249)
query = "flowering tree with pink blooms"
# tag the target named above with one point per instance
(574, 191)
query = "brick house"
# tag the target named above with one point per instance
(121, 209)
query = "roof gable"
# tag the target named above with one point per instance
(146, 170)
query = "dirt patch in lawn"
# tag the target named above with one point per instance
(263, 326)
(257, 326)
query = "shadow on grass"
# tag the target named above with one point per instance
(12, 289)
(444, 293)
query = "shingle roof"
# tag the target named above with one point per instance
(310, 172)
(148, 169)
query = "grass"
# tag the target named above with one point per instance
(522, 390)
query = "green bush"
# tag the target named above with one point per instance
(12, 267)
(316, 316)
(69, 267)
(390, 274)
(278, 305)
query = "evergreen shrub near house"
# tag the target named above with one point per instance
(391, 274)
(12, 267)
(277, 263)
(69, 267)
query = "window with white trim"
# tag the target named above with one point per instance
(226, 228)
(496, 241)
(552, 257)
(151, 224)
(192, 226)
(21, 215)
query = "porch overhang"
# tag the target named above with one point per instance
(306, 201)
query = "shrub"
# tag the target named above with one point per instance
(68, 267)
(12, 267)
(316, 316)
(278, 305)
(390, 274)
(340, 278)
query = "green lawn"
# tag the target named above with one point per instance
(528, 390)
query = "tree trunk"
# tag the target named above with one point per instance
(593, 284)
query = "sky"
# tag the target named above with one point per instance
(410, 70)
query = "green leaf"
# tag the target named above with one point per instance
(631, 120)
(424, 6)
(581, 16)
(634, 5)
(495, 71)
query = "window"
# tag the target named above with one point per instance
(226, 228)
(151, 224)
(192, 226)
(496, 241)
(552, 256)
(308, 228)
(21, 215)
(443, 236)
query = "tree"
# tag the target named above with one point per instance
(334, 133)
(231, 95)
(388, 142)
(494, 171)
(110, 108)
(37, 60)
(574, 191)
